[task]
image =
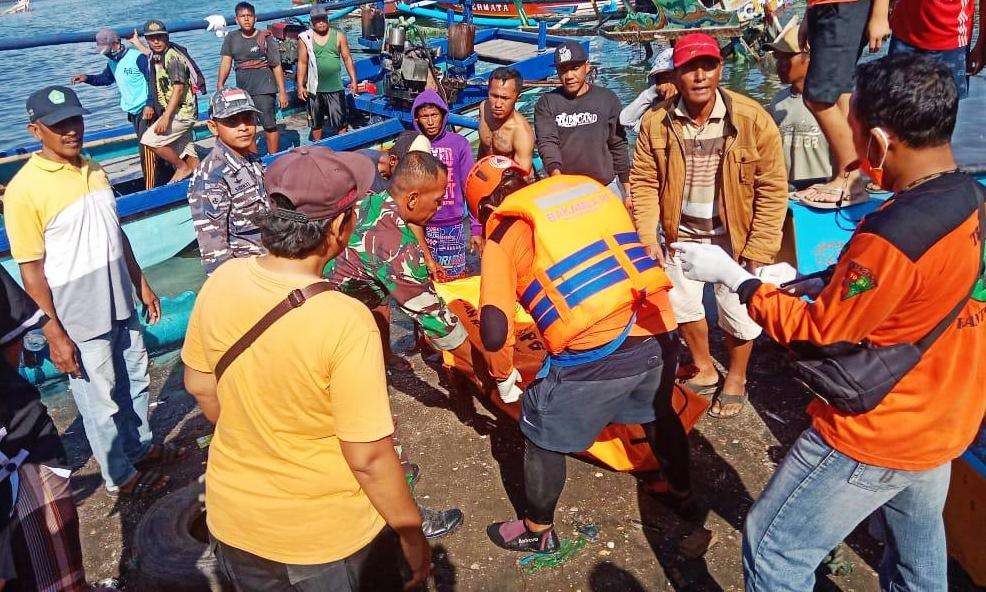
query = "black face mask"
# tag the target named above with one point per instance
(116, 56)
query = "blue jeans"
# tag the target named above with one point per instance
(817, 497)
(953, 58)
(112, 399)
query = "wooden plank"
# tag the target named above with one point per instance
(505, 51)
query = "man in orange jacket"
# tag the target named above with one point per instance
(566, 249)
(907, 268)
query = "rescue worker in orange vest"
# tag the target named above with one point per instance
(567, 250)
(894, 339)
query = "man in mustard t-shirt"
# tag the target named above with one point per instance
(303, 484)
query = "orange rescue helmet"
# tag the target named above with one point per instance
(485, 177)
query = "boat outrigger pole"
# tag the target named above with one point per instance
(342, 8)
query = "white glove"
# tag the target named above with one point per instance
(217, 23)
(509, 391)
(709, 263)
(777, 274)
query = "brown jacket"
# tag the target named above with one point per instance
(752, 191)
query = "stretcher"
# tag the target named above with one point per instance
(620, 447)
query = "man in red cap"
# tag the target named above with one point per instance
(723, 182)
(303, 421)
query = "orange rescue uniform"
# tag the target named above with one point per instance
(892, 285)
(508, 268)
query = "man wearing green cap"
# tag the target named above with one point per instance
(78, 266)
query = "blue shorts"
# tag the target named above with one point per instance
(566, 410)
(953, 58)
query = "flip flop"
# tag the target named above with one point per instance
(842, 199)
(703, 390)
(162, 454)
(723, 399)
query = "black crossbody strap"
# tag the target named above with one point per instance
(928, 340)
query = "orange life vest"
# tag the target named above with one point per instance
(588, 259)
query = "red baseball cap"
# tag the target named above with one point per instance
(320, 183)
(695, 45)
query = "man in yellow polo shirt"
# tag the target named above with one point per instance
(77, 265)
(303, 480)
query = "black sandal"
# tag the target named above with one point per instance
(162, 454)
(148, 482)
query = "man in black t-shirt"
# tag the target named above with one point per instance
(39, 534)
(578, 125)
(258, 70)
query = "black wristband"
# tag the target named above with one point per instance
(747, 289)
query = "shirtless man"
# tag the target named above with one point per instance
(502, 130)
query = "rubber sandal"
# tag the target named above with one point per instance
(703, 390)
(162, 454)
(723, 399)
(843, 198)
(148, 482)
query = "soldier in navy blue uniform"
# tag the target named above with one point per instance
(227, 189)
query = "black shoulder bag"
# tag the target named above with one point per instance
(857, 379)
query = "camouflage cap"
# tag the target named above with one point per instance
(227, 102)
(155, 27)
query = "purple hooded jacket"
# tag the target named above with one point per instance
(456, 152)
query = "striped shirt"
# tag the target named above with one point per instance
(66, 216)
(703, 145)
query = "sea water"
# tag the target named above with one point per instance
(621, 66)
(26, 70)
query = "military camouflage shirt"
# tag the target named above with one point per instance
(384, 259)
(225, 192)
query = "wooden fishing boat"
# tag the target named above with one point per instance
(158, 221)
(539, 11)
(526, 16)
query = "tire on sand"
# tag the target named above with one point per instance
(170, 546)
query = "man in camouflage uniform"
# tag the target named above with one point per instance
(384, 259)
(227, 189)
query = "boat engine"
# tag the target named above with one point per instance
(407, 67)
(410, 67)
